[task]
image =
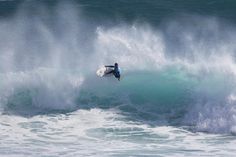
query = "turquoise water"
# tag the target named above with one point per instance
(177, 92)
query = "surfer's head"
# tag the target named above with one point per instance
(116, 64)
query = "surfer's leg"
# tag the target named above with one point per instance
(112, 71)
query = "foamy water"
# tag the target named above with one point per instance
(103, 133)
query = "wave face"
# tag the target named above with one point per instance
(179, 72)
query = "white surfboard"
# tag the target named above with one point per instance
(101, 72)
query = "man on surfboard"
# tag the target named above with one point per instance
(115, 71)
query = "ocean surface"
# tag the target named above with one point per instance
(176, 97)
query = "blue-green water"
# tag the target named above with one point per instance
(177, 92)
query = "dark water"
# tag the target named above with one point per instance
(149, 11)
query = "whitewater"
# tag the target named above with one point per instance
(176, 96)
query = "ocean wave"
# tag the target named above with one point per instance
(180, 73)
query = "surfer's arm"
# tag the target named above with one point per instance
(109, 66)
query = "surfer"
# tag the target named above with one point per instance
(115, 71)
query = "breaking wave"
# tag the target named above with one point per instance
(180, 73)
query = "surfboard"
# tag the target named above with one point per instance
(101, 72)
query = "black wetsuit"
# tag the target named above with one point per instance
(115, 72)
